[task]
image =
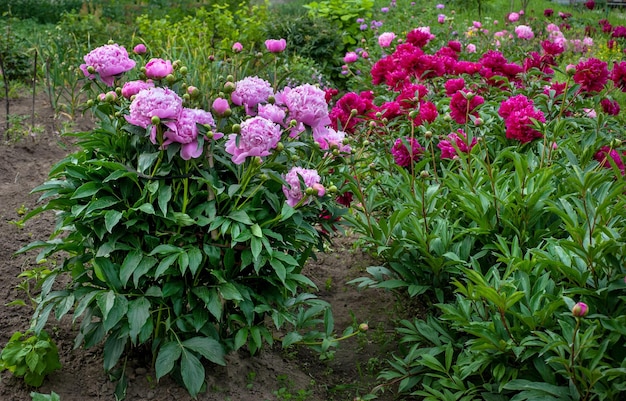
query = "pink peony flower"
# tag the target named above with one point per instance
(513, 17)
(237, 47)
(140, 49)
(257, 137)
(618, 75)
(524, 32)
(155, 102)
(107, 61)
(350, 57)
(455, 144)
(385, 39)
(306, 104)
(610, 107)
(441, 18)
(401, 153)
(470, 48)
(591, 74)
(220, 105)
(293, 190)
(275, 46)
(158, 68)
(251, 91)
(131, 88)
(186, 132)
(272, 112)
(328, 139)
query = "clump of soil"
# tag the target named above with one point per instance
(275, 374)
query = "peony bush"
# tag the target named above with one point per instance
(183, 230)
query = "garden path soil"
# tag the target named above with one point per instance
(275, 374)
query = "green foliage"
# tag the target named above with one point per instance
(16, 61)
(45, 397)
(30, 356)
(42, 11)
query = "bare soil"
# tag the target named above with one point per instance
(275, 374)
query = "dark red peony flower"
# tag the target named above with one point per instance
(591, 74)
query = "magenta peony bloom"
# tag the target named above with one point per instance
(275, 45)
(220, 105)
(251, 91)
(237, 47)
(107, 61)
(513, 17)
(306, 104)
(580, 309)
(329, 139)
(420, 37)
(257, 137)
(402, 155)
(454, 85)
(186, 132)
(133, 87)
(294, 192)
(548, 12)
(604, 153)
(385, 39)
(618, 75)
(158, 68)
(590, 4)
(518, 113)
(610, 107)
(350, 57)
(463, 104)
(140, 49)
(454, 144)
(155, 102)
(591, 74)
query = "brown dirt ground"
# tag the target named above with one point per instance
(275, 374)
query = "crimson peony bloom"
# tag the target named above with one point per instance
(456, 142)
(420, 37)
(610, 107)
(463, 104)
(590, 4)
(454, 85)
(618, 75)
(604, 153)
(518, 113)
(591, 74)
(401, 153)
(548, 12)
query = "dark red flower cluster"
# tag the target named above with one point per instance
(606, 25)
(605, 153)
(464, 104)
(591, 75)
(351, 109)
(618, 75)
(610, 107)
(518, 113)
(590, 4)
(495, 64)
(619, 32)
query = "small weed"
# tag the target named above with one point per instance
(250, 378)
(287, 392)
(328, 284)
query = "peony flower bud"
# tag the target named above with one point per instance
(580, 309)
(155, 120)
(140, 49)
(236, 128)
(363, 327)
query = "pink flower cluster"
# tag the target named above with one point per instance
(293, 190)
(107, 61)
(258, 137)
(406, 151)
(518, 113)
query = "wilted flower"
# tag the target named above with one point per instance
(107, 61)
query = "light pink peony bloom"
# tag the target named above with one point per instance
(294, 192)
(133, 87)
(155, 102)
(275, 45)
(272, 112)
(257, 137)
(306, 104)
(237, 47)
(350, 57)
(186, 132)
(524, 32)
(251, 91)
(158, 68)
(441, 18)
(513, 17)
(107, 61)
(140, 49)
(470, 48)
(220, 105)
(329, 139)
(385, 39)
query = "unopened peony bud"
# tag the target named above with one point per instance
(280, 146)
(447, 117)
(264, 177)
(293, 123)
(318, 189)
(271, 99)
(91, 69)
(230, 78)
(354, 112)
(580, 309)
(428, 134)
(155, 120)
(616, 143)
(424, 174)
(229, 87)
(332, 189)
(170, 78)
(570, 69)
(89, 103)
(236, 128)
(183, 70)
(186, 97)
(176, 64)
(363, 327)
(193, 92)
